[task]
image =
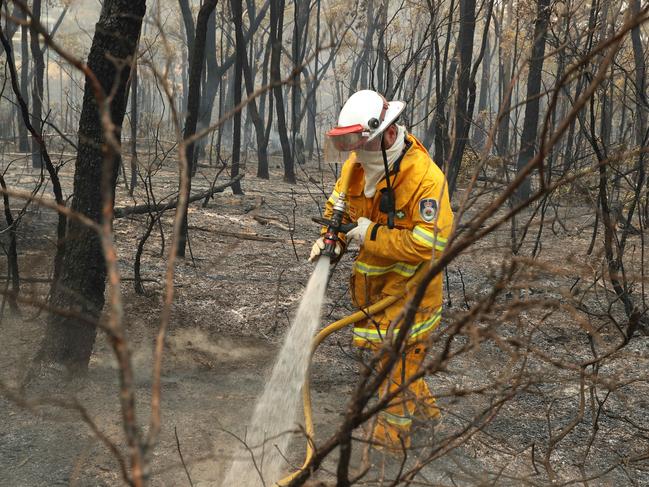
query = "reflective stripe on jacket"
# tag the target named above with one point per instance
(390, 257)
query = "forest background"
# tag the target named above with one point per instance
(161, 162)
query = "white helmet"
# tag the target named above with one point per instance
(365, 116)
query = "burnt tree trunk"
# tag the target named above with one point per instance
(276, 33)
(482, 122)
(69, 340)
(193, 103)
(134, 116)
(300, 30)
(531, 120)
(462, 115)
(253, 112)
(240, 47)
(438, 129)
(504, 80)
(211, 82)
(37, 86)
(262, 168)
(188, 23)
(23, 140)
(641, 132)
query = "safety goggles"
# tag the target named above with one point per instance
(346, 139)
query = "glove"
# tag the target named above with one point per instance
(319, 246)
(358, 233)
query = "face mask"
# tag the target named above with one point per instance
(372, 161)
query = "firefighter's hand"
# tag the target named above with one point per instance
(358, 233)
(319, 246)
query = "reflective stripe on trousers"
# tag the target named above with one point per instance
(403, 421)
(401, 268)
(375, 335)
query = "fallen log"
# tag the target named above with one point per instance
(247, 236)
(46, 280)
(160, 207)
(269, 220)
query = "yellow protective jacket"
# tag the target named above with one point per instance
(389, 258)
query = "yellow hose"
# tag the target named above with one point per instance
(324, 333)
(346, 176)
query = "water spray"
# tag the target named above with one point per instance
(268, 436)
(275, 410)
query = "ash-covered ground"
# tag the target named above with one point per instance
(519, 406)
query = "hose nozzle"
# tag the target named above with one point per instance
(335, 224)
(334, 227)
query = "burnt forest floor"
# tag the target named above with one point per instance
(235, 296)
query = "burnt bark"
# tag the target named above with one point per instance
(438, 130)
(190, 33)
(37, 86)
(462, 115)
(300, 31)
(134, 121)
(210, 85)
(481, 128)
(276, 34)
(531, 120)
(504, 80)
(69, 340)
(641, 132)
(262, 168)
(253, 112)
(240, 47)
(194, 101)
(11, 250)
(23, 139)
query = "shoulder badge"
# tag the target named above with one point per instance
(428, 209)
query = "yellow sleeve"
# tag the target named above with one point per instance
(428, 236)
(329, 205)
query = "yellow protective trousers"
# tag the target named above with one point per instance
(392, 428)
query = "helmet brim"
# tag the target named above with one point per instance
(395, 108)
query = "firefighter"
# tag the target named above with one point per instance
(398, 197)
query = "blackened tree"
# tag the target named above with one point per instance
(531, 120)
(70, 337)
(194, 100)
(276, 34)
